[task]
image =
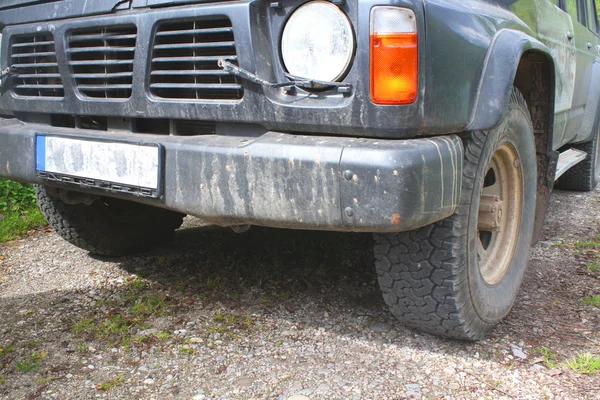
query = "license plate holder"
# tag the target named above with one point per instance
(111, 165)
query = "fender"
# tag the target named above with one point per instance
(591, 113)
(499, 71)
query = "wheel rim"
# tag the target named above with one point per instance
(499, 216)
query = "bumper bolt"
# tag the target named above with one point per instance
(349, 212)
(348, 175)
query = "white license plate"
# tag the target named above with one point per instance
(130, 164)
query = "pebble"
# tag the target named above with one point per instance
(149, 381)
(380, 327)
(298, 397)
(322, 388)
(517, 352)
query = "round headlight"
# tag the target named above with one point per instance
(318, 42)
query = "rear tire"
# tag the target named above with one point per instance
(108, 226)
(442, 279)
(585, 176)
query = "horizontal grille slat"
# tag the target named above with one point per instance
(85, 38)
(205, 31)
(33, 44)
(33, 76)
(187, 72)
(195, 86)
(102, 49)
(101, 60)
(193, 59)
(40, 54)
(97, 88)
(193, 45)
(39, 86)
(35, 65)
(103, 76)
(184, 60)
(33, 58)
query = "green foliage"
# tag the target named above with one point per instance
(587, 364)
(550, 357)
(18, 210)
(15, 197)
(591, 300)
(31, 362)
(115, 381)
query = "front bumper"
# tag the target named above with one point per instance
(281, 180)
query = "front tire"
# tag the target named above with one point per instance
(460, 276)
(108, 226)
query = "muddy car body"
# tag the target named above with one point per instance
(453, 174)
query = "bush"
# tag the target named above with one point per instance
(15, 196)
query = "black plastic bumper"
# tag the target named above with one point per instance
(282, 180)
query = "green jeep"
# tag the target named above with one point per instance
(441, 126)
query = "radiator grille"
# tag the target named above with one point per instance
(101, 61)
(184, 61)
(34, 66)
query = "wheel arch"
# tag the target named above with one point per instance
(517, 59)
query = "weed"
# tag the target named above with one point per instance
(135, 282)
(186, 350)
(5, 350)
(111, 383)
(151, 305)
(213, 283)
(592, 267)
(33, 342)
(586, 244)
(82, 347)
(42, 381)
(31, 362)
(83, 326)
(162, 336)
(550, 357)
(591, 300)
(586, 363)
(2, 379)
(323, 270)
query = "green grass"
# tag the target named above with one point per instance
(6, 350)
(111, 383)
(586, 364)
(591, 300)
(18, 211)
(587, 244)
(17, 223)
(31, 362)
(550, 357)
(186, 350)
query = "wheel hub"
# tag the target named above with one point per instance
(490, 213)
(499, 215)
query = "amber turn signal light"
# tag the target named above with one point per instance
(394, 52)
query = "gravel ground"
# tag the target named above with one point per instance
(274, 314)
